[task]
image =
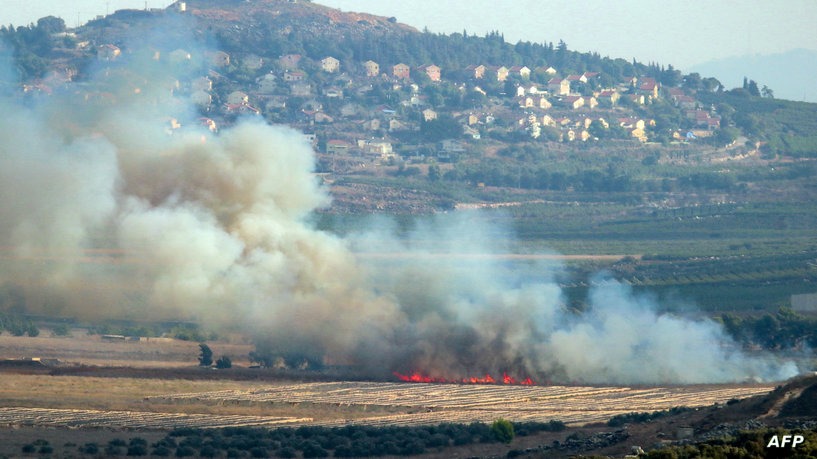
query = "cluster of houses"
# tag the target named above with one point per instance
(567, 105)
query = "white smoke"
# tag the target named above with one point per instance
(103, 214)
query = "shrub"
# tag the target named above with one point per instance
(89, 448)
(185, 451)
(286, 452)
(137, 450)
(29, 448)
(161, 451)
(502, 430)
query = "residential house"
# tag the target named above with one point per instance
(471, 132)
(520, 71)
(631, 122)
(453, 146)
(589, 75)
(476, 72)
(337, 147)
(330, 64)
(294, 75)
(300, 89)
(179, 55)
(241, 109)
(275, 103)
(499, 73)
(372, 68)
(576, 78)
(333, 93)
(534, 101)
(431, 70)
(429, 115)
(397, 125)
(401, 71)
(559, 86)
(590, 102)
(350, 110)
(201, 84)
(636, 99)
(379, 148)
(267, 84)
(703, 119)
(685, 102)
(209, 124)
(290, 61)
(219, 58)
(371, 125)
(252, 62)
(201, 98)
(237, 97)
(545, 69)
(648, 87)
(608, 98)
(572, 102)
(108, 52)
(323, 118)
(547, 120)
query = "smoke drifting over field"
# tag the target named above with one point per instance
(104, 214)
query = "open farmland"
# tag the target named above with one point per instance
(160, 404)
(435, 403)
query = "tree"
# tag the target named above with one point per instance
(502, 430)
(434, 173)
(223, 363)
(205, 356)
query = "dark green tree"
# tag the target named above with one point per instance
(205, 355)
(224, 362)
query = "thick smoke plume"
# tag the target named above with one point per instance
(104, 213)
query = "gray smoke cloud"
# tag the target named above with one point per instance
(104, 214)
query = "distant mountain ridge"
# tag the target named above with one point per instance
(791, 75)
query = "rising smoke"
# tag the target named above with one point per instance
(104, 213)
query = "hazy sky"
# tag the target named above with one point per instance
(682, 33)
(24, 12)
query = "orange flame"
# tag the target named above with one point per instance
(417, 377)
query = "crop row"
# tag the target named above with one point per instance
(133, 419)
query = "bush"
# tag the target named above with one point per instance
(89, 448)
(185, 451)
(137, 450)
(29, 448)
(312, 449)
(286, 452)
(161, 451)
(502, 430)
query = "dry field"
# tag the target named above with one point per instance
(161, 399)
(156, 404)
(81, 348)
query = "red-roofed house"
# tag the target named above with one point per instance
(476, 72)
(559, 86)
(519, 70)
(431, 70)
(401, 71)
